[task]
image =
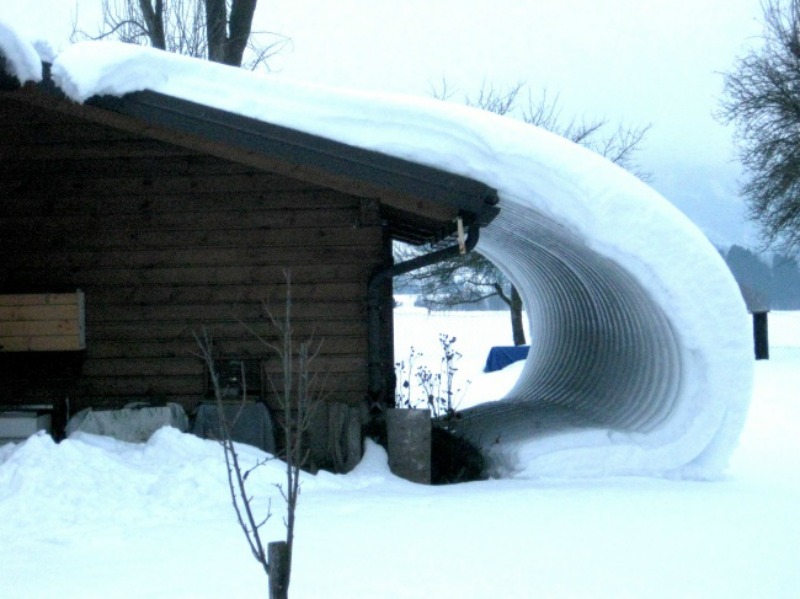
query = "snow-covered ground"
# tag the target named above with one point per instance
(475, 332)
(96, 518)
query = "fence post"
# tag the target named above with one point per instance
(761, 335)
(278, 556)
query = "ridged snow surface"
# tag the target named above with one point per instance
(641, 359)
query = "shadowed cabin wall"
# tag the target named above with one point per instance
(163, 241)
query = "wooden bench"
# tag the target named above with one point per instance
(42, 322)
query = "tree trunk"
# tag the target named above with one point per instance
(517, 328)
(154, 22)
(222, 47)
(216, 29)
(242, 12)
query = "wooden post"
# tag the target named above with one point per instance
(278, 556)
(761, 335)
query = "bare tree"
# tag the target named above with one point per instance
(237, 475)
(461, 281)
(298, 392)
(618, 143)
(473, 278)
(762, 99)
(217, 30)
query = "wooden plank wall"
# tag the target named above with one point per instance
(42, 322)
(164, 241)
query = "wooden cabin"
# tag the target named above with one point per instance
(160, 217)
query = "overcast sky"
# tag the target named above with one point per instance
(632, 60)
(635, 62)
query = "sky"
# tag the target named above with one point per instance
(635, 63)
(631, 62)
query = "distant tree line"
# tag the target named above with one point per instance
(768, 282)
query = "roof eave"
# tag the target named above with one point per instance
(429, 196)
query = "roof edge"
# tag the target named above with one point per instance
(469, 198)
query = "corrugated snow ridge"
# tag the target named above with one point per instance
(641, 359)
(608, 387)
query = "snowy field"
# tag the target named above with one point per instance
(95, 518)
(475, 332)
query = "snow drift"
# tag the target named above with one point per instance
(641, 361)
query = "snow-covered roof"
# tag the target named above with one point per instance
(20, 59)
(641, 358)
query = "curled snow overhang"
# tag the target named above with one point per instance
(641, 361)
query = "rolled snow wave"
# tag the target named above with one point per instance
(600, 346)
(611, 385)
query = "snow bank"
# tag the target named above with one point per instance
(641, 361)
(99, 477)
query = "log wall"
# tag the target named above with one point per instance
(164, 241)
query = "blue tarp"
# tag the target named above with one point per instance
(502, 355)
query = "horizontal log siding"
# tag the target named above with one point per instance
(164, 242)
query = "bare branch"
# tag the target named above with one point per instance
(762, 100)
(242, 502)
(241, 19)
(153, 16)
(496, 101)
(219, 30)
(216, 29)
(441, 93)
(299, 394)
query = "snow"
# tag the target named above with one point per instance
(95, 517)
(22, 59)
(640, 360)
(471, 329)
